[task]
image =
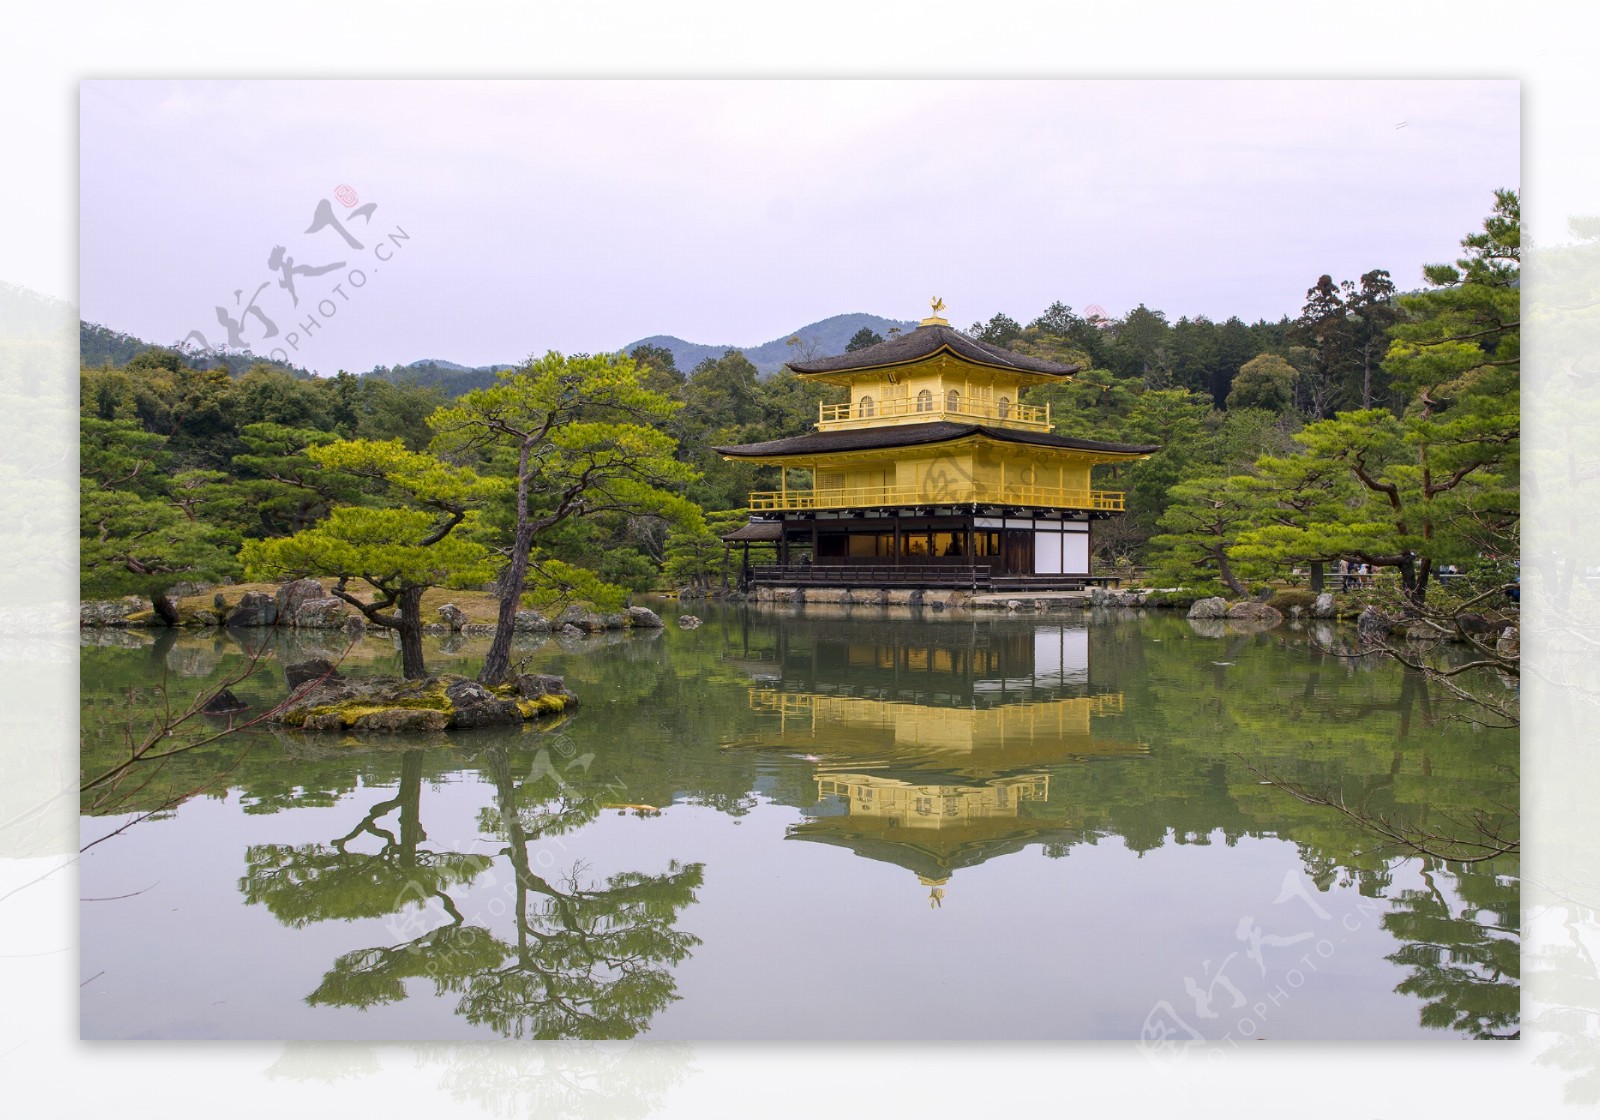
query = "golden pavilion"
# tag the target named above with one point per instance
(932, 474)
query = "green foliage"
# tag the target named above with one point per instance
(1264, 382)
(554, 585)
(1202, 521)
(862, 339)
(699, 558)
(405, 542)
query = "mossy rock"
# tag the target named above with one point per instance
(437, 703)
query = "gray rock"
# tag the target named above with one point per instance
(531, 686)
(400, 720)
(1323, 607)
(468, 692)
(492, 712)
(1013, 604)
(293, 595)
(453, 616)
(324, 614)
(570, 631)
(327, 721)
(1255, 612)
(1509, 643)
(311, 669)
(530, 621)
(1214, 607)
(256, 608)
(109, 612)
(688, 622)
(644, 618)
(1373, 622)
(223, 702)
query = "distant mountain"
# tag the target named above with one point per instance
(822, 339)
(450, 378)
(99, 345)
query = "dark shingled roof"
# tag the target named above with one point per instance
(928, 340)
(911, 435)
(755, 531)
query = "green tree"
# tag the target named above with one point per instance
(286, 488)
(862, 339)
(1202, 521)
(1001, 331)
(1323, 328)
(1373, 313)
(139, 526)
(582, 436)
(400, 548)
(1265, 381)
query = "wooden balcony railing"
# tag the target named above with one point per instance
(881, 497)
(834, 416)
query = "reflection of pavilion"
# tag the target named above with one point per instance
(934, 745)
(925, 822)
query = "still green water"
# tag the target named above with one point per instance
(817, 824)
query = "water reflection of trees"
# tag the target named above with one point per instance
(589, 959)
(1460, 941)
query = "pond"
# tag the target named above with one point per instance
(817, 823)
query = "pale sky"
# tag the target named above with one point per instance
(584, 215)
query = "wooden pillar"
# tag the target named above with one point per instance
(897, 546)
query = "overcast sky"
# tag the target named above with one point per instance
(497, 220)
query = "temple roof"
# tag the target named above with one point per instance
(912, 435)
(926, 341)
(756, 531)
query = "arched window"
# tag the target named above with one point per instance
(925, 401)
(1005, 407)
(865, 407)
(952, 401)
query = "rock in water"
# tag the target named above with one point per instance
(1255, 612)
(1323, 607)
(295, 594)
(256, 608)
(222, 703)
(453, 616)
(530, 621)
(688, 621)
(311, 669)
(644, 618)
(1214, 607)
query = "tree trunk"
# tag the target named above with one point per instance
(409, 627)
(1316, 577)
(497, 663)
(1226, 572)
(165, 610)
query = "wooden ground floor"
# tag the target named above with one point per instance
(971, 549)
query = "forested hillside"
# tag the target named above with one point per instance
(1373, 426)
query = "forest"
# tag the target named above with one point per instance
(1380, 426)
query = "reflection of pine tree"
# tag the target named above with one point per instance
(588, 960)
(1464, 956)
(306, 883)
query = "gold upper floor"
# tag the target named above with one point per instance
(942, 387)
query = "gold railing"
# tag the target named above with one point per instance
(873, 497)
(966, 408)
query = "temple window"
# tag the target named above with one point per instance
(953, 401)
(925, 401)
(1005, 407)
(865, 407)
